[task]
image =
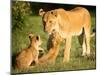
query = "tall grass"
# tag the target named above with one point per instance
(33, 24)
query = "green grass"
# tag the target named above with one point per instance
(34, 24)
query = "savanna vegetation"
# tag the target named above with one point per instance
(25, 19)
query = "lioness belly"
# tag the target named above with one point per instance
(76, 32)
(71, 32)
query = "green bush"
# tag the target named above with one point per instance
(20, 10)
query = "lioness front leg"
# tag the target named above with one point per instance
(67, 49)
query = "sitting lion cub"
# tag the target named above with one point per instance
(30, 54)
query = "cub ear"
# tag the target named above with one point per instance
(41, 12)
(30, 35)
(54, 12)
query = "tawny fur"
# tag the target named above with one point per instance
(75, 22)
(30, 54)
(50, 57)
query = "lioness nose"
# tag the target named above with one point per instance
(53, 30)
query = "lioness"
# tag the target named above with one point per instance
(30, 54)
(69, 23)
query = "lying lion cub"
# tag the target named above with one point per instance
(30, 54)
(53, 47)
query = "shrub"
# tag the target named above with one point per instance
(20, 10)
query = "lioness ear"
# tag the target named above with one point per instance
(41, 12)
(54, 12)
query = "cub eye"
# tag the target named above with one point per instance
(37, 37)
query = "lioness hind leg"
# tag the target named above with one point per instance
(87, 36)
(84, 47)
(67, 49)
(82, 41)
(88, 44)
(87, 27)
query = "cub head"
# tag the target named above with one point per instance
(50, 20)
(35, 40)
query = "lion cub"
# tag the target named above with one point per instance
(30, 54)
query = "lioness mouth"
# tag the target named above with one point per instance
(53, 31)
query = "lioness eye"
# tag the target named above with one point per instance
(50, 21)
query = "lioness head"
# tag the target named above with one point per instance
(50, 20)
(35, 40)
